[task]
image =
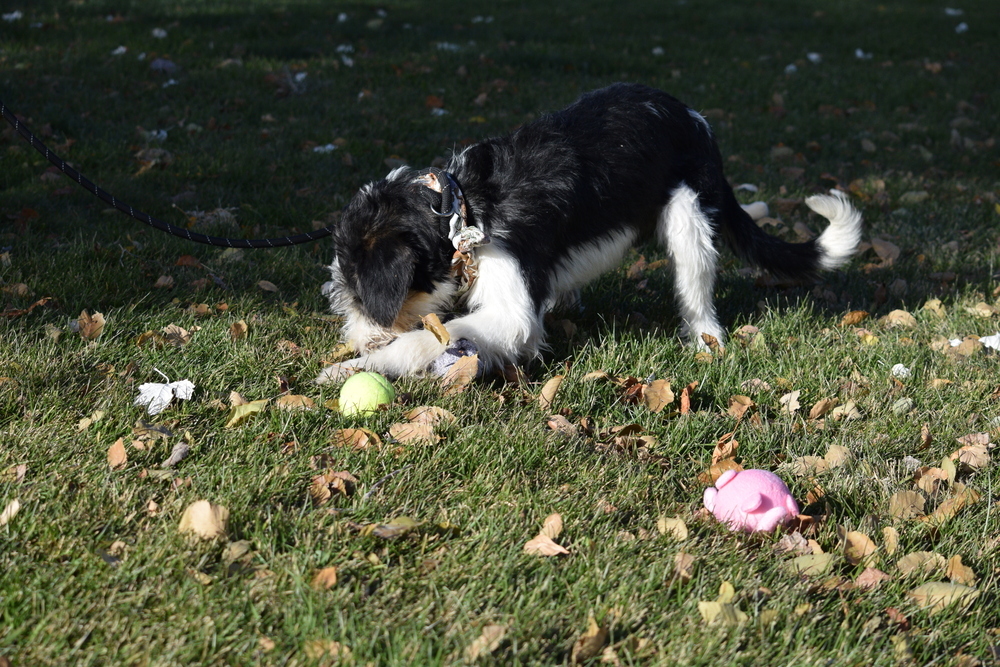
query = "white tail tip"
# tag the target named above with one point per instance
(839, 241)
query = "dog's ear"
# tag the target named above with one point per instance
(385, 273)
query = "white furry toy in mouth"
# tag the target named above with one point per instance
(515, 225)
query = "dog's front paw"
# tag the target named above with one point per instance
(339, 372)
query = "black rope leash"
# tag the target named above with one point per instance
(108, 198)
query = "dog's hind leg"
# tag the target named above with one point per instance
(686, 232)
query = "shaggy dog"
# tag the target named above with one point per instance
(514, 226)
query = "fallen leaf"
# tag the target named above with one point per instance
(414, 432)
(710, 476)
(177, 454)
(725, 448)
(395, 528)
(240, 413)
(890, 539)
(433, 324)
(927, 563)
(684, 566)
(10, 511)
(958, 573)
(431, 414)
(589, 644)
(238, 330)
(900, 318)
(267, 286)
(807, 466)
(328, 652)
(973, 457)
(853, 318)
(164, 282)
(790, 402)
(548, 392)
(810, 566)
(657, 395)
(90, 326)
(486, 643)
(325, 579)
(792, 543)
(822, 407)
(177, 336)
(739, 405)
(937, 596)
(322, 487)
(187, 260)
(117, 456)
(672, 526)
(86, 422)
(460, 375)
(906, 505)
(859, 548)
(294, 402)
(205, 520)
(871, 578)
(887, 252)
(686, 397)
(552, 526)
(837, 455)
(949, 508)
(355, 438)
(596, 375)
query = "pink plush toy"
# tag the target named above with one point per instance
(751, 500)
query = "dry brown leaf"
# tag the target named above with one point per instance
(294, 402)
(325, 579)
(431, 414)
(906, 505)
(929, 479)
(837, 455)
(790, 402)
(355, 438)
(542, 545)
(589, 644)
(710, 476)
(822, 406)
(414, 432)
(739, 405)
(890, 540)
(548, 393)
(807, 466)
(90, 326)
(657, 395)
(725, 448)
(117, 456)
(205, 520)
(14, 474)
(486, 643)
(958, 573)
(810, 566)
(235, 398)
(433, 324)
(684, 566)
(792, 543)
(561, 425)
(238, 330)
(900, 318)
(552, 526)
(177, 336)
(859, 548)
(949, 508)
(672, 526)
(927, 563)
(887, 252)
(322, 487)
(853, 318)
(164, 282)
(460, 375)
(871, 578)
(938, 595)
(9, 512)
(686, 397)
(973, 457)
(328, 652)
(267, 286)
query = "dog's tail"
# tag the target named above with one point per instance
(832, 248)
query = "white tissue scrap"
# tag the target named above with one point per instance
(992, 342)
(900, 371)
(156, 396)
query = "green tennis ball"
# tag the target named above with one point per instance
(362, 393)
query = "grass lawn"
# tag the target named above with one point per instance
(186, 107)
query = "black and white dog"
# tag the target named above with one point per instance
(515, 225)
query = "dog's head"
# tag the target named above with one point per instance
(391, 257)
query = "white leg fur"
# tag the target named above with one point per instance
(687, 234)
(839, 241)
(586, 263)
